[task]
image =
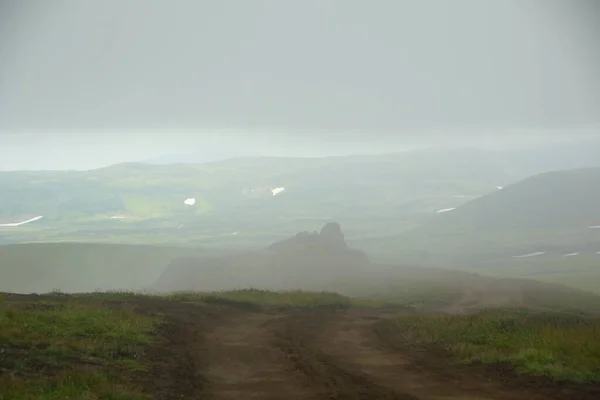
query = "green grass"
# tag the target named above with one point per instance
(263, 299)
(260, 298)
(255, 298)
(417, 294)
(71, 350)
(561, 346)
(78, 347)
(266, 299)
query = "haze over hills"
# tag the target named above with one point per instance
(372, 194)
(387, 203)
(232, 195)
(188, 158)
(323, 261)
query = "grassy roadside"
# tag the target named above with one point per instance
(257, 299)
(78, 347)
(246, 298)
(71, 349)
(411, 294)
(560, 346)
(264, 299)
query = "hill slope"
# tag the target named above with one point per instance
(79, 267)
(550, 215)
(324, 262)
(554, 200)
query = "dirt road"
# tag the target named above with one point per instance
(228, 353)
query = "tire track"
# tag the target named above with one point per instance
(297, 335)
(243, 362)
(223, 353)
(350, 341)
(342, 351)
(177, 358)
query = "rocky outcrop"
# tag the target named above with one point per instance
(308, 260)
(331, 234)
(330, 238)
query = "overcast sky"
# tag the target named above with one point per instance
(117, 80)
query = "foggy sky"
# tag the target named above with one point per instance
(274, 71)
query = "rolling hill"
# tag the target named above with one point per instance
(554, 214)
(554, 200)
(275, 196)
(249, 202)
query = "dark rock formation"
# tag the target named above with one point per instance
(332, 235)
(331, 238)
(308, 260)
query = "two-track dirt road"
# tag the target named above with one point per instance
(222, 352)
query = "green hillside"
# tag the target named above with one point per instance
(366, 192)
(143, 191)
(372, 195)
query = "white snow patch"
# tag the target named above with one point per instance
(537, 253)
(235, 233)
(594, 227)
(570, 254)
(24, 222)
(499, 187)
(117, 217)
(276, 191)
(443, 210)
(190, 202)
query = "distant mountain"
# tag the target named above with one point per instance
(554, 156)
